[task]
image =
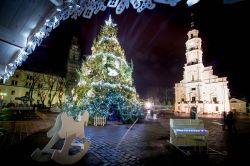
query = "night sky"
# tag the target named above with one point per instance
(155, 41)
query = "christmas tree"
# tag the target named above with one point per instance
(106, 84)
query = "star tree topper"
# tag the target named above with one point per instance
(109, 22)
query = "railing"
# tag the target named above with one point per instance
(100, 120)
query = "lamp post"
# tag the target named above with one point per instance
(148, 105)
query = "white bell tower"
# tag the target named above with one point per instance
(193, 48)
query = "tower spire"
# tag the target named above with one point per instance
(192, 20)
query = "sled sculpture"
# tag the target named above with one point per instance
(72, 131)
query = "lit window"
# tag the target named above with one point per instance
(215, 100)
(193, 99)
(29, 77)
(13, 82)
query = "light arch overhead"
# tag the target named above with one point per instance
(24, 24)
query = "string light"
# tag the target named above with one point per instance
(75, 9)
(191, 130)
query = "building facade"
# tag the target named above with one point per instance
(43, 89)
(200, 91)
(238, 106)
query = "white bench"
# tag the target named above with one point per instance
(188, 133)
(66, 128)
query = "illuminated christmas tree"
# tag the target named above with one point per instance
(106, 84)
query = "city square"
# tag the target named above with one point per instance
(124, 82)
(146, 143)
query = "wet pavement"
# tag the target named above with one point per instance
(145, 143)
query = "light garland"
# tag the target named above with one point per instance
(74, 9)
(191, 130)
(101, 84)
(108, 55)
(105, 38)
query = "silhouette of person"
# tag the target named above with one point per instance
(231, 122)
(224, 120)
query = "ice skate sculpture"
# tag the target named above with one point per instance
(73, 134)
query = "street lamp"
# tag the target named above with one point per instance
(149, 108)
(148, 105)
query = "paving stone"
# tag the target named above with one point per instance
(146, 144)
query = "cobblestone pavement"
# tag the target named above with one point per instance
(12, 132)
(140, 144)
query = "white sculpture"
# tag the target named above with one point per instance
(65, 128)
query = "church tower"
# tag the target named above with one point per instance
(193, 48)
(74, 63)
(200, 90)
